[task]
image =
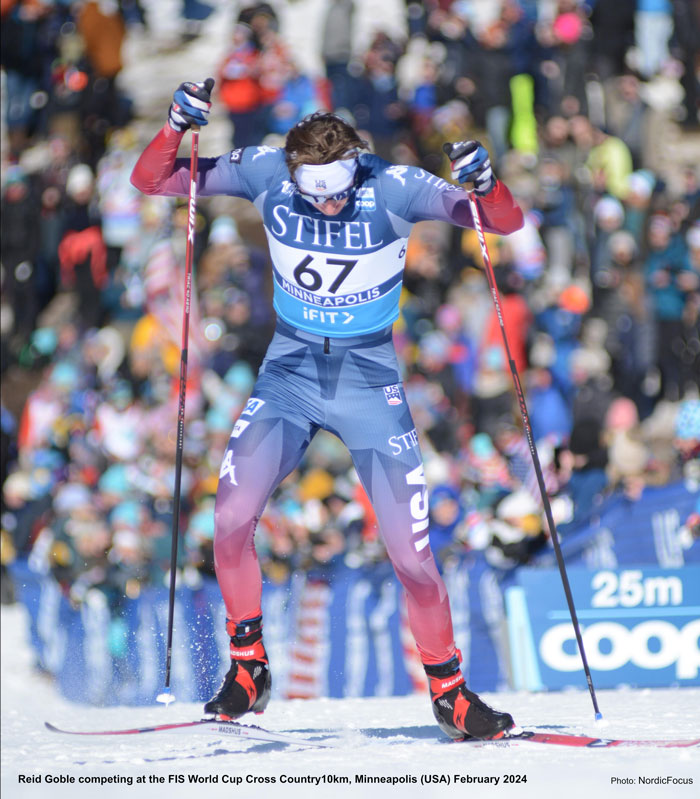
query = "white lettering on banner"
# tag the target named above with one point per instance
(630, 589)
(669, 550)
(679, 646)
(419, 506)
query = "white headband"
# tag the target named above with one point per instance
(326, 179)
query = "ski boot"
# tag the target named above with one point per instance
(459, 712)
(246, 686)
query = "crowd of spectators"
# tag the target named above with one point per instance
(600, 289)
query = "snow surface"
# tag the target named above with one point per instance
(382, 737)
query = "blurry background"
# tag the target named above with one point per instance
(590, 113)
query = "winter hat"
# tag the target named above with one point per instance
(45, 340)
(574, 299)
(627, 457)
(481, 446)
(622, 241)
(14, 174)
(201, 524)
(127, 514)
(688, 420)
(114, 480)
(224, 231)
(448, 318)
(660, 223)
(17, 487)
(64, 375)
(588, 362)
(240, 377)
(641, 183)
(608, 209)
(693, 236)
(80, 179)
(568, 27)
(71, 496)
(516, 505)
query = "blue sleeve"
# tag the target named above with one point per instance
(253, 169)
(245, 172)
(415, 195)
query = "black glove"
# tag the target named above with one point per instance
(191, 104)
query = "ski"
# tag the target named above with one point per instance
(583, 741)
(254, 733)
(232, 729)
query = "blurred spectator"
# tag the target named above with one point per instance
(194, 12)
(18, 250)
(378, 109)
(516, 531)
(337, 51)
(620, 300)
(565, 38)
(582, 465)
(27, 50)
(601, 288)
(82, 252)
(239, 87)
(610, 162)
(628, 118)
(669, 278)
(554, 203)
(686, 35)
(687, 438)
(102, 28)
(653, 26)
(492, 69)
(613, 35)
(299, 96)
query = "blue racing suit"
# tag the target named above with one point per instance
(331, 364)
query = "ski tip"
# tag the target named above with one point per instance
(165, 698)
(50, 726)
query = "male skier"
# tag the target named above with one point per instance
(337, 221)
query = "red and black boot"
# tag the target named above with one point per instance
(459, 712)
(246, 687)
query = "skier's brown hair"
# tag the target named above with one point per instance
(321, 138)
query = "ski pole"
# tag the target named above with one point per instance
(490, 276)
(166, 697)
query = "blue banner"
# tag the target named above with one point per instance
(640, 627)
(649, 530)
(340, 634)
(343, 632)
(637, 599)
